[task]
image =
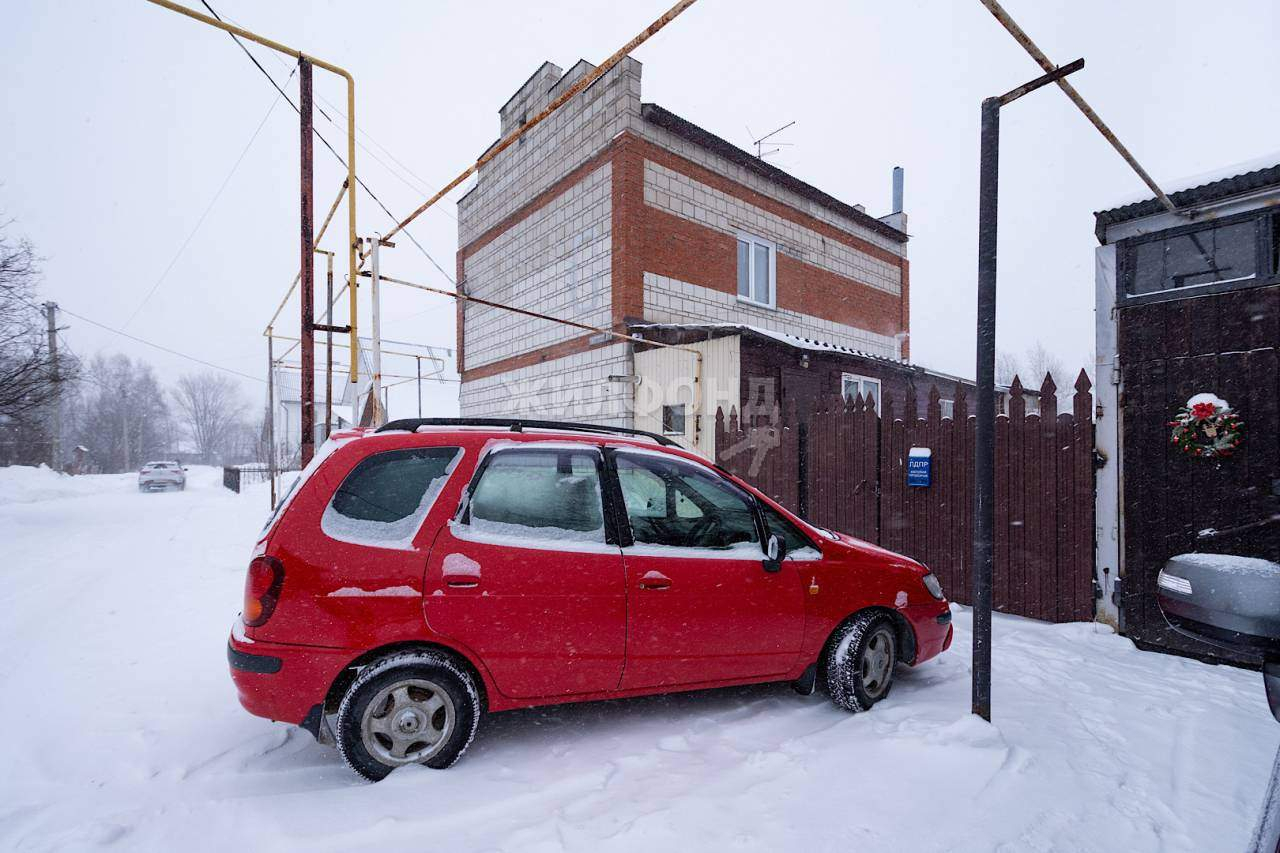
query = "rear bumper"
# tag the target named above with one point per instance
(283, 682)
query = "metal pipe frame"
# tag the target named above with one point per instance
(351, 136)
(1021, 37)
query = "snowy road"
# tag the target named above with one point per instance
(121, 728)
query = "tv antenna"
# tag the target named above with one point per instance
(764, 140)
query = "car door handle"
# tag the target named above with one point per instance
(462, 581)
(654, 580)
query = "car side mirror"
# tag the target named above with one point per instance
(776, 552)
(1228, 601)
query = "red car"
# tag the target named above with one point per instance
(418, 577)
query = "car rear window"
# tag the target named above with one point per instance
(385, 498)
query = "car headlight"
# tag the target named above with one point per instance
(934, 586)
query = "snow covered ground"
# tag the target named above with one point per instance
(121, 728)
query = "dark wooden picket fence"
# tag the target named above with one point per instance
(843, 466)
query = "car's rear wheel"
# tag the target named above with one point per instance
(407, 708)
(861, 660)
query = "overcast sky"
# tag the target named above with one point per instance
(122, 121)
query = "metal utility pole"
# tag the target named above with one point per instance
(985, 449)
(375, 295)
(271, 414)
(328, 345)
(55, 440)
(419, 360)
(379, 408)
(308, 283)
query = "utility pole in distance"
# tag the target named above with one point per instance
(985, 448)
(55, 440)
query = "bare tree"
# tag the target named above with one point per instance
(26, 378)
(209, 406)
(1031, 367)
(1040, 361)
(1007, 367)
(121, 414)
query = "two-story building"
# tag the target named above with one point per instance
(620, 215)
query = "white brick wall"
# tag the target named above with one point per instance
(555, 261)
(575, 387)
(682, 196)
(572, 135)
(668, 300)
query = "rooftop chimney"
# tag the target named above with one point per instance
(898, 217)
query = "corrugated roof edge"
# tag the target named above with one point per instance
(1188, 198)
(687, 130)
(803, 343)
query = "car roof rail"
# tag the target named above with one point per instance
(521, 424)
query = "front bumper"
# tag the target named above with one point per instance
(932, 624)
(280, 681)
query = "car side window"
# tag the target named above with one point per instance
(385, 498)
(676, 503)
(799, 546)
(539, 494)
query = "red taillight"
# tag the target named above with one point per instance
(262, 590)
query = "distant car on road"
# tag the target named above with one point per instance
(162, 476)
(417, 577)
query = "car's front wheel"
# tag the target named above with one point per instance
(861, 660)
(407, 708)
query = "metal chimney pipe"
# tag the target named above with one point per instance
(897, 189)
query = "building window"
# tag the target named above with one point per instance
(851, 384)
(673, 419)
(756, 270)
(948, 408)
(1218, 255)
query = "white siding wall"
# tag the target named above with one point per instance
(667, 377)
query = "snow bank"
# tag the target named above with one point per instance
(124, 729)
(24, 484)
(21, 484)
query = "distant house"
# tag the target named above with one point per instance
(1188, 304)
(287, 413)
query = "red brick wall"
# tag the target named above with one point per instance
(648, 239)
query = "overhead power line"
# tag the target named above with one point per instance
(394, 219)
(208, 208)
(160, 347)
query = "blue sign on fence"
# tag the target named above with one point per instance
(919, 466)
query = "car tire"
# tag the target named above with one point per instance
(860, 661)
(407, 708)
